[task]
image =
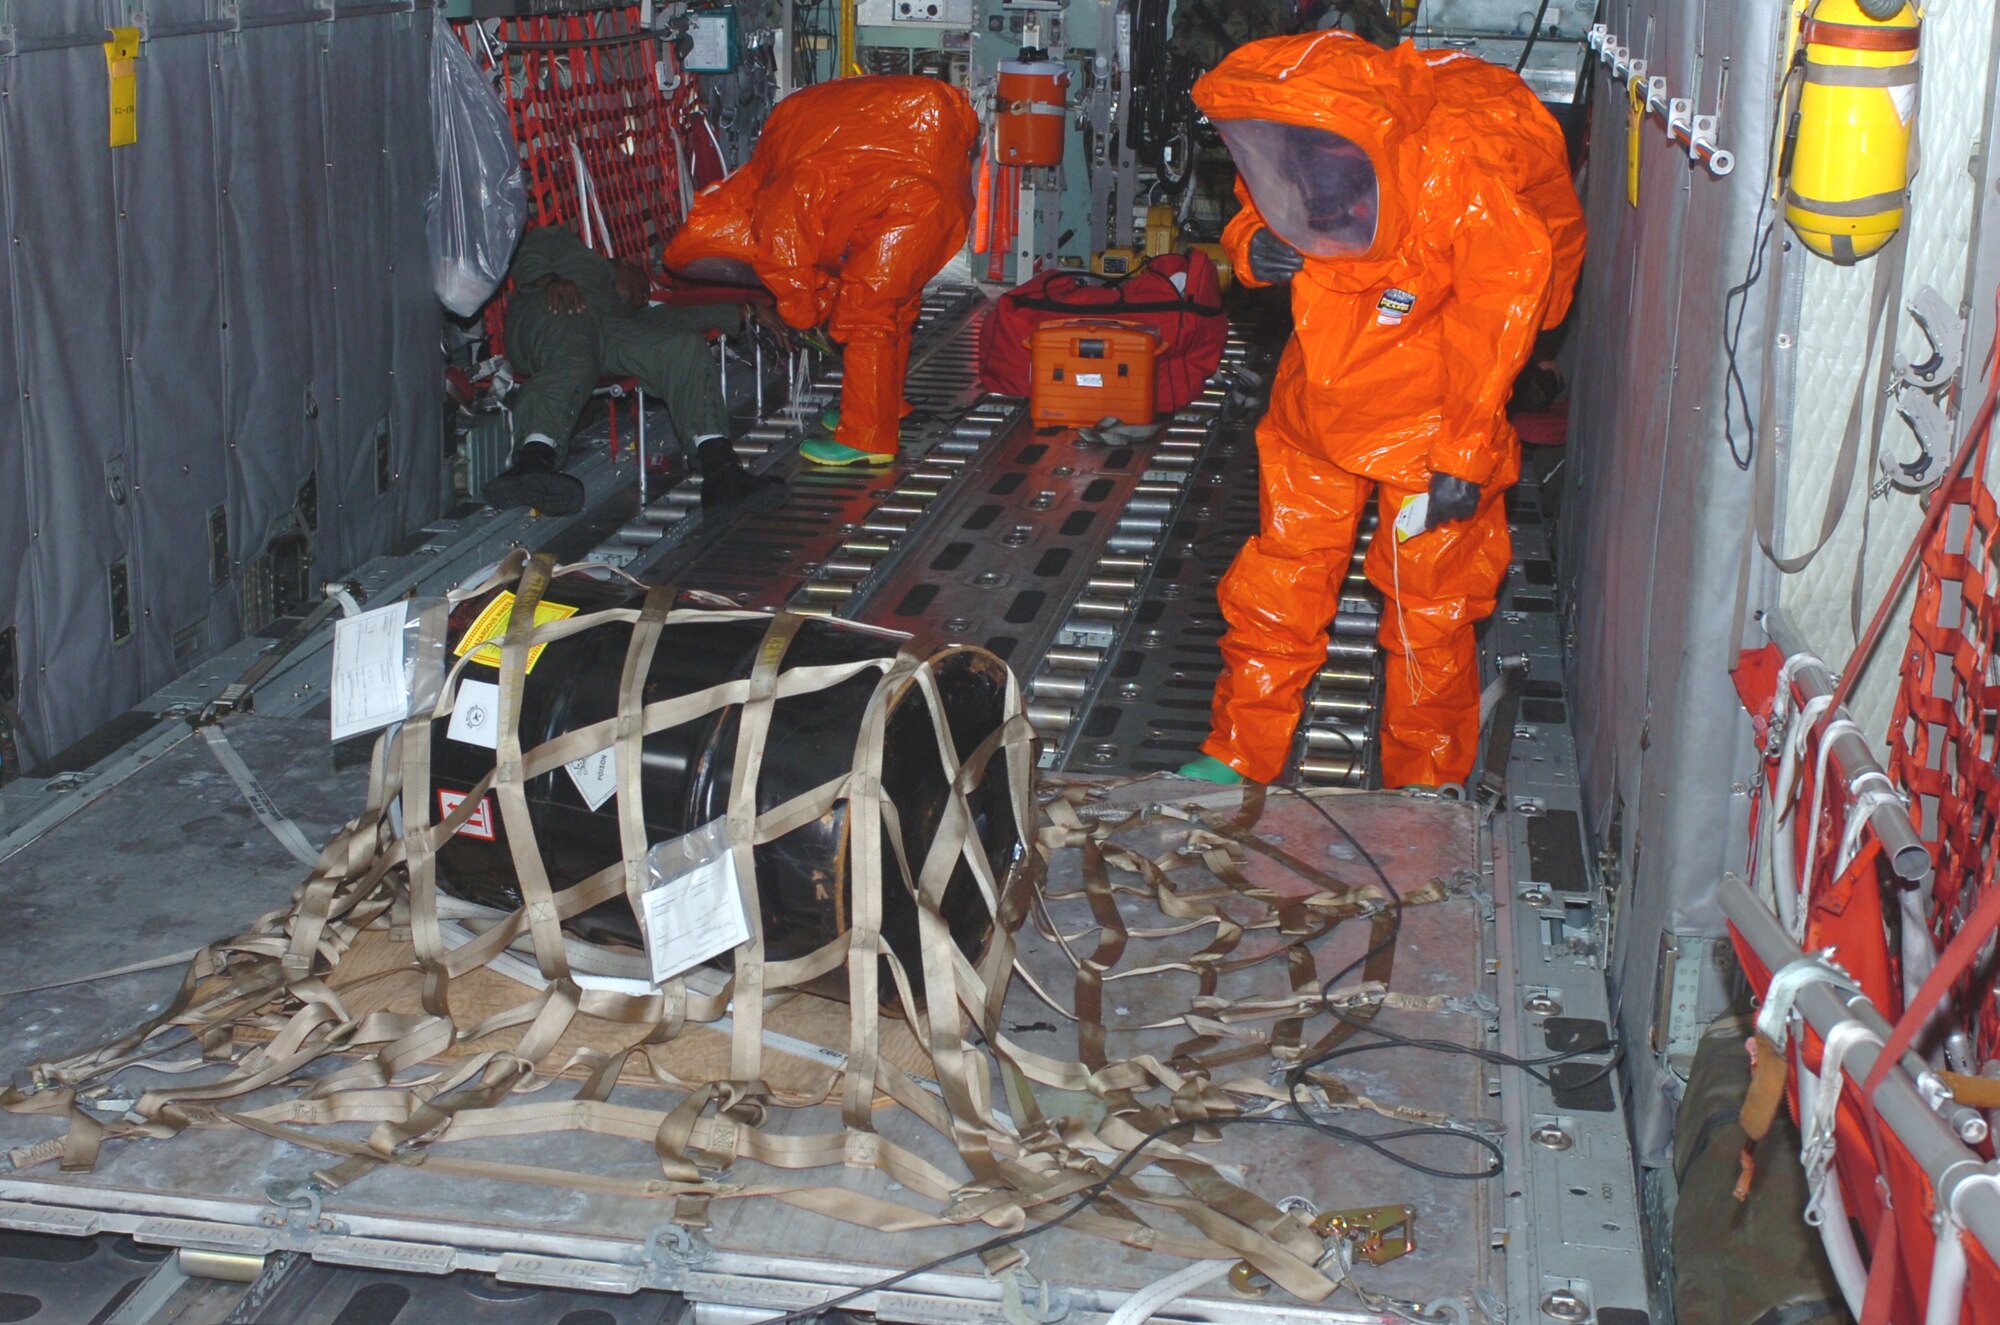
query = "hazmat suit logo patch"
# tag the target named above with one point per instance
(1394, 306)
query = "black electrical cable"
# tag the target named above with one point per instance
(1534, 31)
(1161, 87)
(805, 55)
(1736, 303)
(1081, 1202)
(1387, 1039)
(1378, 1142)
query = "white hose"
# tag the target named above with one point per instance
(1947, 1291)
(1835, 1232)
(1156, 1296)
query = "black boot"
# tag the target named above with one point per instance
(534, 480)
(725, 482)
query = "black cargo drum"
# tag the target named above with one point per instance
(803, 877)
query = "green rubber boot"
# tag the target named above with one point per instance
(826, 451)
(1210, 769)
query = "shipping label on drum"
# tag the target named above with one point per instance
(595, 776)
(475, 714)
(694, 917)
(479, 824)
(490, 628)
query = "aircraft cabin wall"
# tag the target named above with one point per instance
(1697, 362)
(219, 343)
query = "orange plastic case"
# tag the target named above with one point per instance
(1090, 369)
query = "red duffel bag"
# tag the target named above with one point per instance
(1178, 295)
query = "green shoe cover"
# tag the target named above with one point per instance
(826, 451)
(1210, 769)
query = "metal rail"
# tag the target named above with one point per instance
(1965, 1185)
(1851, 760)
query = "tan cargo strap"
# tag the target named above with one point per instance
(275, 1000)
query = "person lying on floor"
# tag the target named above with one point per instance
(575, 317)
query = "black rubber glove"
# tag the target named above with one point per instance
(1451, 499)
(1272, 260)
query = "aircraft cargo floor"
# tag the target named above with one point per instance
(1089, 564)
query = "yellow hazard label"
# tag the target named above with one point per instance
(121, 61)
(492, 625)
(1635, 120)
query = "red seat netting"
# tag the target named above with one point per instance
(1943, 742)
(590, 79)
(1947, 720)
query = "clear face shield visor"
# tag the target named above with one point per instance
(1316, 189)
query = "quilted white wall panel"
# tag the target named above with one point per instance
(1957, 58)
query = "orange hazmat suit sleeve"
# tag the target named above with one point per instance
(858, 192)
(1500, 275)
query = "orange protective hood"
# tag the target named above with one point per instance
(1377, 99)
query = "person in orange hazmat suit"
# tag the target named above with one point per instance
(1421, 208)
(858, 192)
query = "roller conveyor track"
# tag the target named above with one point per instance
(1090, 566)
(1336, 739)
(763, 559)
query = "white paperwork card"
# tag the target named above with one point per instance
(694, 917)
(370, 688)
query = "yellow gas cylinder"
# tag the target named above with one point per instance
(1162, 235)
(1850, 167)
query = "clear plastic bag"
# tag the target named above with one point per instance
(386, 667)
(478, 203)
(692, 906)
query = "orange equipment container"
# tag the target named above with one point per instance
(1033, 112)
(1090, 369)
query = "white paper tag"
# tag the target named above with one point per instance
(370, 688)
(596, 776)
(1410, 519)
(475, 717)
(708, 35)
(694, 917)
(1090, 379)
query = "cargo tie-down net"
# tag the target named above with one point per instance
(295, 1006)
(1855, 891)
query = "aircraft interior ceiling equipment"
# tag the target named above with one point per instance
(781, 912)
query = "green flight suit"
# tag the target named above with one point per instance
(562, 356)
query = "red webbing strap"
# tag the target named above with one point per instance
(1857, 37)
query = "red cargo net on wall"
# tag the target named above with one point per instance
(1821, 864)
(604, 147)
(589, 85)
(1948, 719)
